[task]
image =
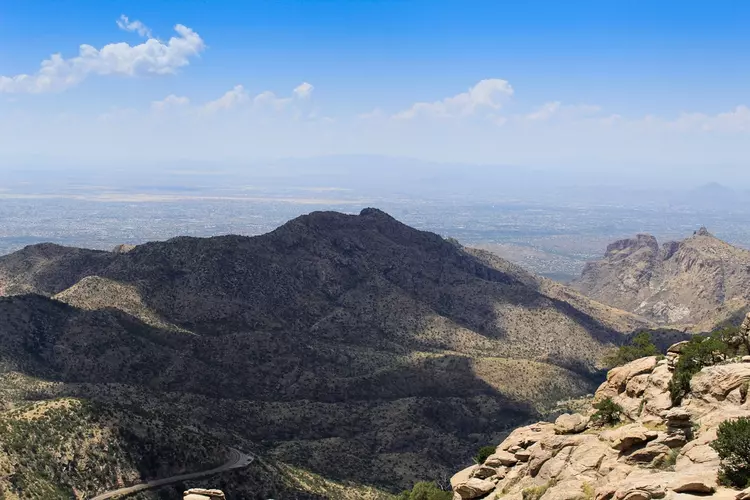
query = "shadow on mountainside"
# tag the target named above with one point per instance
(377, 421)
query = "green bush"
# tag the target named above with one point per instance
(608, 412)
(733, 447)
(640, 347)
(698, 353)
(425, 491)
(483, 453)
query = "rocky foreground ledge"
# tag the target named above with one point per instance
(659, 451)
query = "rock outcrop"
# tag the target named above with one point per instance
(698, 281)
(203, 494)
(657, 451)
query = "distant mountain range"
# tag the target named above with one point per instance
(350, 346)
(698, 282)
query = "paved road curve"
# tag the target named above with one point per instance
(237, 459)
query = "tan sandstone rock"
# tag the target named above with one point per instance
(570, 423)
(203, 494)
(474, 488)
(625, 437)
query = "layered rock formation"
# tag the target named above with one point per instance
(658, 451)
(698, 281)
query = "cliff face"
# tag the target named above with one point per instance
(658, 451)
(698, 281)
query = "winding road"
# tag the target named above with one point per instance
(237, 460)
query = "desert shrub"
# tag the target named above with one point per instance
(425, 491)
(698, 353)
(483, 453)
(534, 492)
(733, 447)
(588, 490)
(667, 461)
(640, 347)
(608, 412)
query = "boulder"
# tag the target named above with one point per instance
(483, 472)
(463, 476)
(648, 453)
(678, 417)
(501, 458)
(570, 424)
(625, 437)
(642, 484)
(619, 377)
(203, 494)
(523, 437)
(474, 488)
(696, 479)
(716, 382)
(672, 439)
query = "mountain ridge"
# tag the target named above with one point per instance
(313, 340)
(694, 283)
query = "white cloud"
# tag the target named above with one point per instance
(736, 120)
(231, 99)
(238, 97)
(150, 57)
(489, 94)
(303, 90)
(556, 109)
(133, 26)
(170, 102)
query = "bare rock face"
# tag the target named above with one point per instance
(662, 453)
(123, 248)
(698, 281)
(625, 437)
(203, 494)
(474, 488)
(570, 424)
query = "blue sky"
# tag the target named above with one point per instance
(570, 83)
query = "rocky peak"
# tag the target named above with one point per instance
(658, 451)
(699, 281)
(631, 245)
(123, 248)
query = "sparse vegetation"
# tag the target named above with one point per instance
(425, 491)
(668, 461)
(608, 412)
(59, 445)
(589, 492)
(640, 347)
(700, 352)
(535, 492)
(483, 453)
(733, 447)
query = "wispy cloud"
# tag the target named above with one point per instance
(152, 57)
(487, 95)
(133, 26)
(170, 102)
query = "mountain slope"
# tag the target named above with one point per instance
(697, 281)
(351, 345)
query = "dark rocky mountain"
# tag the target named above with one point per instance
(700, 281)
(351, 346)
